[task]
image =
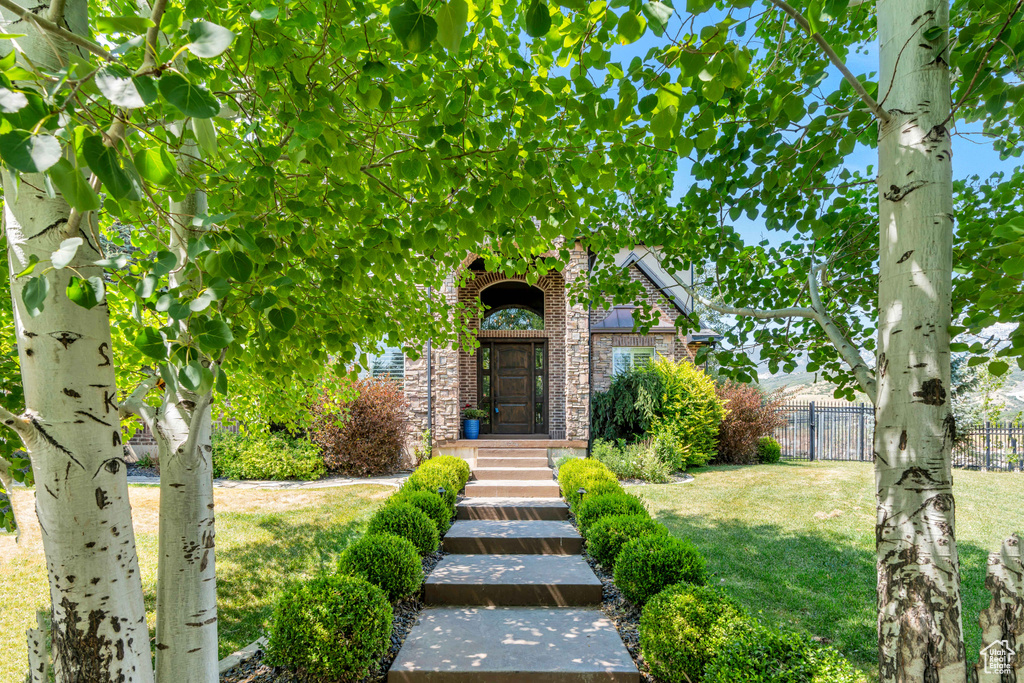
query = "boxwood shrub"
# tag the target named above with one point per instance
(646, 566)
(407, 521)
(330, 628)
(594, 484)
(457, 467)
(683, 627)
(593, 508)
(764, 655)
(387, 561)
(434, 480)
(607, 535)
(432, 504)
(768, 450)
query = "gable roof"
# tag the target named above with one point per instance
(651, 274)
(621, 320)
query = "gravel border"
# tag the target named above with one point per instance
(406, 612)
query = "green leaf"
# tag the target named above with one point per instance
(65, 252)
(34, 294)
(933, 33)
(29, 153)
(452, 20)
(282, 318)
(206, 135)
(236, 265)
(631, 28)
(664, 121)
(123, 89)
(215, 335)
(537, 20)
(413, 27)
(222, 382)
(105, 163)
(165, 262)
(189, 99)
(86, 293)
(268, 14)
(74, 186)
(998, 368)
(262, 302)
(410, 168)
(156, 165)
(123, 24)
(208, 39)
(32, 261)
(151, 343)
(191, 376)
(11, 101)
(658, 14)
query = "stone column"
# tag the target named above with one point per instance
(577, 354)
(446, 379)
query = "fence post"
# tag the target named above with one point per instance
(813, 430)
(988, 445)
(860, 440)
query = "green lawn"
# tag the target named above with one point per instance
(795, 542)
(263, 538)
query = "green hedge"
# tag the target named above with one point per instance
(683, 627)
(435, 480)
(387, 561)
(407, 521)
(456, 467)
(330, 628)
(608, 534)
(433, 505)
(646, 566)
(265, 456)
(593, 508)
(587, 474)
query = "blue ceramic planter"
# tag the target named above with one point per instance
(471, 428)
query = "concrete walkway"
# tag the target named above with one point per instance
(514, 601)
(326, 483)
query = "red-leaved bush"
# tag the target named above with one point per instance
(365, 436)
(749, 415)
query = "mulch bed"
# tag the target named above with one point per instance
(254, 670)
(136, 471)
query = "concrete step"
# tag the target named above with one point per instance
(513, 508)
(512, 580)
(512, 488)
(516, 473)
(511, 537)
(489, 461)
(514, 452)
(513, 645)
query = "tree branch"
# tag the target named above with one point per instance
(50, 27)
(135, 403)
(153, 35)
(23, 427)
(6, 480)
(800, 19)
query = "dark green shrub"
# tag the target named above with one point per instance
(768, 450)
(458, 467)
(607, 535)
(265, 456)
(402, 519)
(763, 655)
(432, 504)
(683, 627)
(330, 628)
(387, 561)
(593, 508)
(626, 410)
(646, 566)
(434, 480)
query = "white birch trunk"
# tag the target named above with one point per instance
(186, 601)
(73, 431)
(919, 613)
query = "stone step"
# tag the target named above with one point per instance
(512, 537)
(510, 473)
(513, 645)
(512, 489)
(512, 580)
(489, 461)
(513, 508)
(514, 452)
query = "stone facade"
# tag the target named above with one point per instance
(577, 355)
(668, 344)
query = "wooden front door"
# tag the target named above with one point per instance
(512, 385)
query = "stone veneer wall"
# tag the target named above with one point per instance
(651, 293)
(667, 344)
(577, 354)
(553, 287)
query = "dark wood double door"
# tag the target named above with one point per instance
(512, 386)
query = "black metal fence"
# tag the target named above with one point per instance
(816, 430)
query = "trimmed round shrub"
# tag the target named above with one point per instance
(594, 484)
(646, 566)
(768, 450)
(407, 521)
(570, 472)
(607, 535)
(763, 655)
(387, 561)
(458, 467)
(432, 504)
(683, 627)
(593, 508)
(330, 628)
(434, 480)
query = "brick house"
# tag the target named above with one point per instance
(539, 359)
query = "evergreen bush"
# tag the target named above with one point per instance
(407, 521)
(646, 566)
(607, 535)
(768, 450)
(593, 508)
(265, 456)
(387, 561)
(435, 507)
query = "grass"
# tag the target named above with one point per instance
(795, 543)
(264, 538)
